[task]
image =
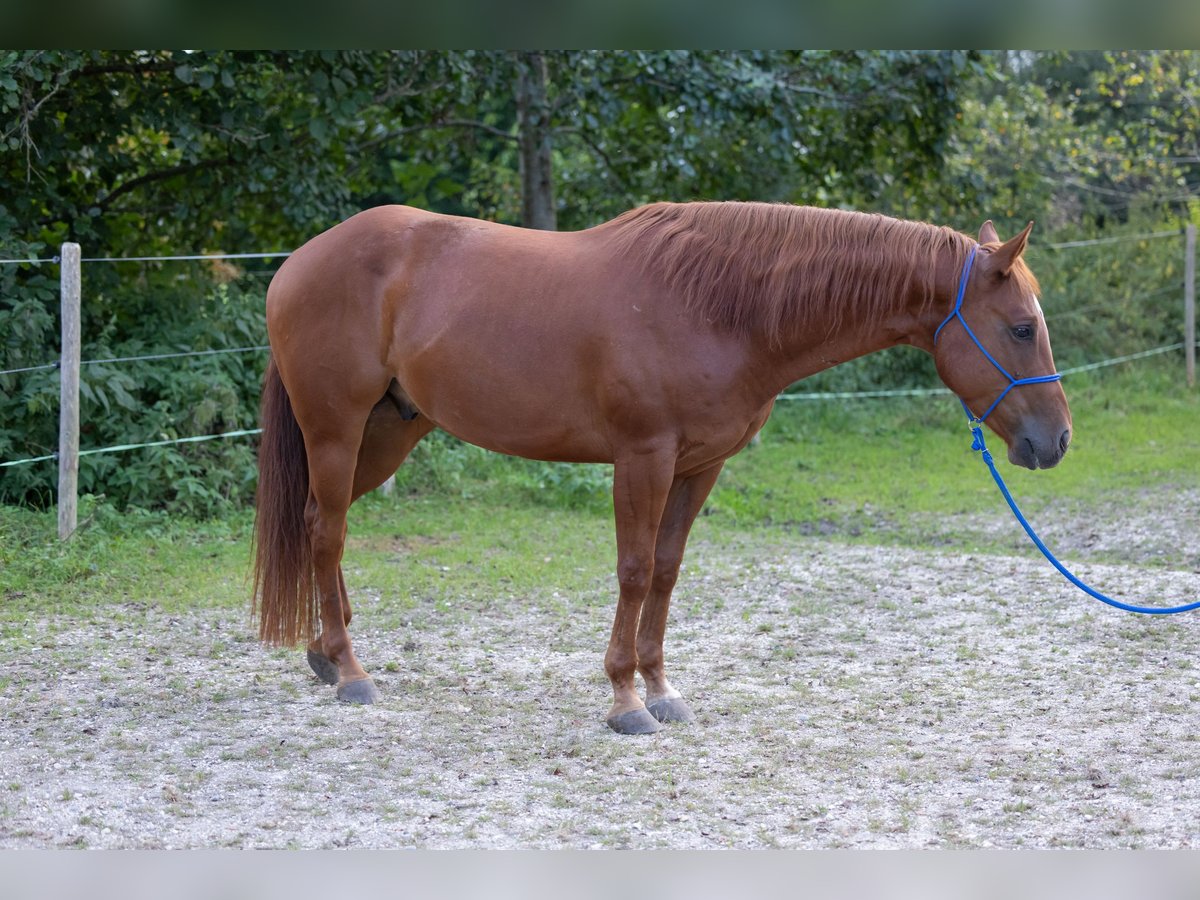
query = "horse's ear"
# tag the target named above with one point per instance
(987, 233)
(1005, 256)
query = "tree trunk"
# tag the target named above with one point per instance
(533, 126)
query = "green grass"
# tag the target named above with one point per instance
(466, 526)
(131, 557)
(469, 550)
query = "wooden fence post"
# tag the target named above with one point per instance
(1189, 305)
(68, 420)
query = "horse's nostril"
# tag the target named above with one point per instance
(1065, 440)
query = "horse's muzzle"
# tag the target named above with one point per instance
(1034, 451)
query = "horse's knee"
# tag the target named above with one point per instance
(634, 575)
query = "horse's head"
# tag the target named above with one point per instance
(993, 351)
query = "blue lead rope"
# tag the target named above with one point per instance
(978, 444)
(976, 426)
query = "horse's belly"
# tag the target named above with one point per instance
(534, 420)
(532, 440)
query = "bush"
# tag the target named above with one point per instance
(137, 401)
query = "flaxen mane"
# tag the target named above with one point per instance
(763, 268)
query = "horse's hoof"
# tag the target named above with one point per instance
(325, 669)
(671, 709)
(634, 721)
(361, 691)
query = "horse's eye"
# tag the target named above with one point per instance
(1023, 332)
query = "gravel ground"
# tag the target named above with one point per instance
(847, 696)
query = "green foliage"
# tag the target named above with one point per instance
(1135, 118)
(629, 128)
(167, 151)
(1076, 140)
(1109, 300)
(146, 401)
(445, 465)
(798, 127)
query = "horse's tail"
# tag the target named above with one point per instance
(285, 596)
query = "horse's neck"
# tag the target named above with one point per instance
(816, 351)
(813, 349)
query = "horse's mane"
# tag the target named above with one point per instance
(763, 267)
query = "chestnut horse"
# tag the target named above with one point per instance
(656, 342)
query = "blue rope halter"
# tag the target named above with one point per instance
(978, 444)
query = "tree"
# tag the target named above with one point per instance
(1081, 140)
(146, 150)
(533, 137)
(176, 150)
(576, 137)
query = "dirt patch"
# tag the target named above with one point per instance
(847, 697)
(401, 545)
(1151, 526)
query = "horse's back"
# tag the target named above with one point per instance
(405, 252)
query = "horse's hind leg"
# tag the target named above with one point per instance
(684, 503)
(317, 660)
(331, 480)
(386, 442)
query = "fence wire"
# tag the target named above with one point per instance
(151, 356)
(52, 365)
(125, 359)
(281, 254)
(1117, 239)
(929, 392)
(119, 448)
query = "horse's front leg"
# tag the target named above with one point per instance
(641, 482)
(684, 503)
